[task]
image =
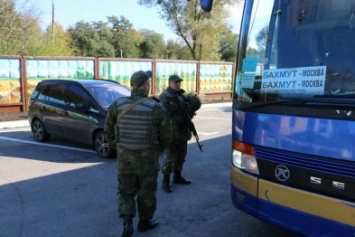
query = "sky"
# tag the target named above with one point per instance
(68, 12)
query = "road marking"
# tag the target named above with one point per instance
(217, 105)
(207, 133)
(7, 130)
(48, 145)
(210, 118)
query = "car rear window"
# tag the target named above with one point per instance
(52, 93)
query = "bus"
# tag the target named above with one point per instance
(293, 125)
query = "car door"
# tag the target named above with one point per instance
(52, 109)
(81, 115)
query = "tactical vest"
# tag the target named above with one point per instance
(136, 130)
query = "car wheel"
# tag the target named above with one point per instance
(102, 147)
(39, 131)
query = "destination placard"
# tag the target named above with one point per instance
(308, 80)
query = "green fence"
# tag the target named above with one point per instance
(19, 75)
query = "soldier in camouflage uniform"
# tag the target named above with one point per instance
(139, 135)
(175, 101)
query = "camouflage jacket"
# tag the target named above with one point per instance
(139, 161)
(169, 99)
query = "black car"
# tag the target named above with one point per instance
(74, 109)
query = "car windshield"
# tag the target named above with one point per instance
(106, 94)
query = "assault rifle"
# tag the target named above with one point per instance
(189, 120)
(194, 132)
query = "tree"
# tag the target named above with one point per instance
(261, 39)
(125, 40)
(55, 42)
(92, 40)
(104, 46)
(201, 32)
(18, 31)
(152, 45)
(114, 38)
(175, 50)
(228, 46)
(83, 38)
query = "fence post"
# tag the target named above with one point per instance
(24, 87)
(198, 66)
(96, 68)
(154, 78)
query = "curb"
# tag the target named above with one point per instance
(14, 124)
(25, 123)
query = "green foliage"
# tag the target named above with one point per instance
(20, 34)
(228, 46)
(261, 39)
(55, 42)
(115, 38)
(177, 51)
(200, 32)
(17, 31)
(125, 38)
(152, 45)
(202, 36)
(85, 39)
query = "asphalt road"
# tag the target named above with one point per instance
(63, 189)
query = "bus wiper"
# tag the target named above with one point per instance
(335, 99)
(336, 96)
(263, 104)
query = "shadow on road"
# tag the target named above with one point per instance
(21, 144)
(81, 199)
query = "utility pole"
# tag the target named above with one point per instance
(52, 23)
(200, 52)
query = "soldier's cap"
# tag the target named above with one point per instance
(150, 74)
(138, 78)
(175, 78)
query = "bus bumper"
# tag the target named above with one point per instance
(302, 212)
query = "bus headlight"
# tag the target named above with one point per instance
(245, 162)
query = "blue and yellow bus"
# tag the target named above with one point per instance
(293, 154)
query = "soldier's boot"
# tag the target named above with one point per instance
(127, 226)
(178, 179)
(144, 225)
(166, 183)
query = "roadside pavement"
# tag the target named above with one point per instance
(25, 123)
(14, 124)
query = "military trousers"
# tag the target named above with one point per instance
(140, 187)
(175, 158)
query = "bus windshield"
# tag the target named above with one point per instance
(298, 49)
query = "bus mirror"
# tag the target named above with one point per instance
(206, 5)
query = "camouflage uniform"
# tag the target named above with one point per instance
(176, 153)
(137, 169)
